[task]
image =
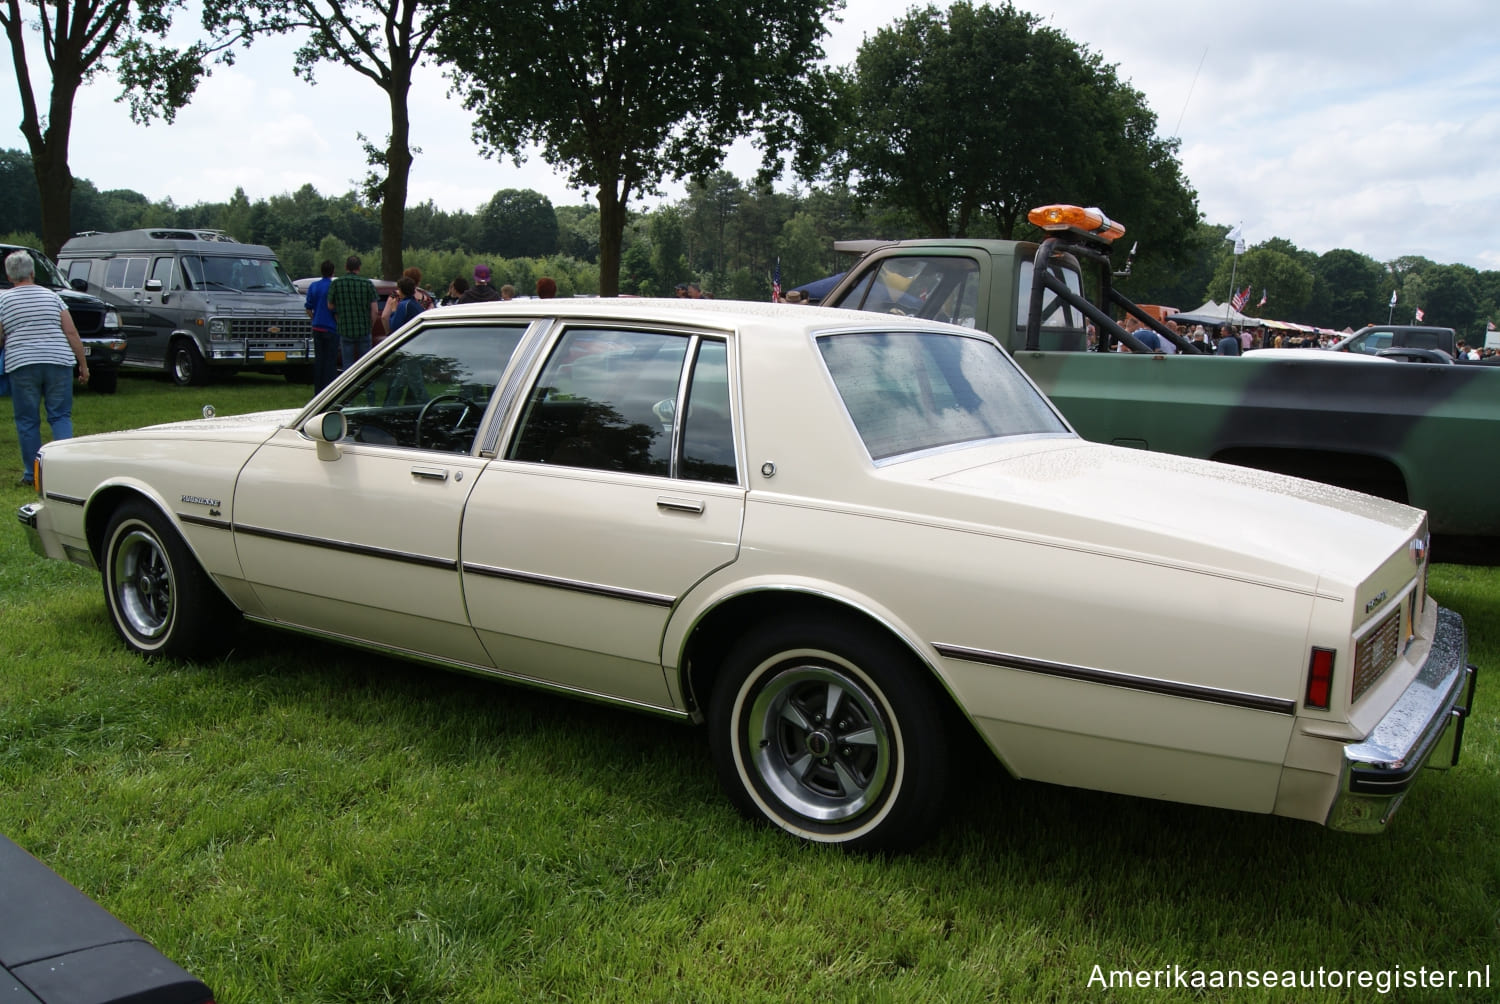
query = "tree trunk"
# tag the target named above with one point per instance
(398, 161)
(611, 238)
(49, 157)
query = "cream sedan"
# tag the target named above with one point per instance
(836, 539)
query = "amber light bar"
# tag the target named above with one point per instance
(1092, 222)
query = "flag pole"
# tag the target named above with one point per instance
(1237, 234)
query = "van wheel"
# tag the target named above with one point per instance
(185, 364)
(160, 599)
(825, 731)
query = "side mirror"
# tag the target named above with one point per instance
(82, 285)
(326, 430)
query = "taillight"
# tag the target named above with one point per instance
(1319, 679)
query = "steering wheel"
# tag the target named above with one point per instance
(422, 415)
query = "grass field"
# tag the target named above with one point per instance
(305, 823)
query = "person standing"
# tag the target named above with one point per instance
(324, 329)
(41, 345)
(424, 299)
(481, 291)
(351, 298)
(408, 306)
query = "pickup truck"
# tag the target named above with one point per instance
(1416, 434)
(1387, 339)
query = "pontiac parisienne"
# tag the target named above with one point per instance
(835, 539)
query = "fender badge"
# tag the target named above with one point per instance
(200, 500)
(1375, 601)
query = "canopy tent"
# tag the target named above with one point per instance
(1216, 313)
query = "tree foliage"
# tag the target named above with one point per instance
(383, 40)
(624, 96)
(518, 223)
(979, 111)
(79, 40)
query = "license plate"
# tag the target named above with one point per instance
(275, 357)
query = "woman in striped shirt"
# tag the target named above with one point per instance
(41, 345)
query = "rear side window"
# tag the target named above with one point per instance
(912, 391)
(79, 269)
(125, 273)
(615, 400)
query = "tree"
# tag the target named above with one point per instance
(624, 96)
(384, 40)
(19, 206)
(518, 223)
(1287, 283)
(81, 39)
(1347, 290)
(1448, 299)
(983, 111)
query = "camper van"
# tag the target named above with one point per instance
(194, 302)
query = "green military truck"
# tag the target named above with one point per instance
(1417, 434)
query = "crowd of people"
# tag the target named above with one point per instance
(1223, 340)
(348, 319)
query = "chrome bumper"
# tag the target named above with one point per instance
(1424, 728)
(27, 515)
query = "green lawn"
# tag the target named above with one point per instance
(306, 823)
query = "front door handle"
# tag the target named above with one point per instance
(679, 505)
(430, 473)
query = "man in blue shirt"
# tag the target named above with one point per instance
(324, 328)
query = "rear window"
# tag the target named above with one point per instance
(912, 391)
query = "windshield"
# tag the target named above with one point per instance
(909, 391)
(248, 275)
(46, 272)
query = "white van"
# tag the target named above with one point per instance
(192, 301)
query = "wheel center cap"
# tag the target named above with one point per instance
(819, 743)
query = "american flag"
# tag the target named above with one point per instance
(776, 283)
(1420, 315)
(1238, 300)
(1262, 302)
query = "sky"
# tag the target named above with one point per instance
(1365, 124)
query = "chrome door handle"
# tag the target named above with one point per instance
(679, 505)
(430, 473)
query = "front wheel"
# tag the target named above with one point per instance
(185, 364)
(105, 382)
(160, 599)
(824, 731)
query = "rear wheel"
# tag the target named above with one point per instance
(185, 364)
(160, 599)
(826, 732)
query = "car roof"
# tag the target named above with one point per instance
(727, 315)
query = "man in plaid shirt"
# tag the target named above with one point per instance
(351, 297)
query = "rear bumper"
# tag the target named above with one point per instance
(1424, 728)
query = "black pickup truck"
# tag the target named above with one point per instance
(98, 324)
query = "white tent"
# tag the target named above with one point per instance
(1216, 313)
